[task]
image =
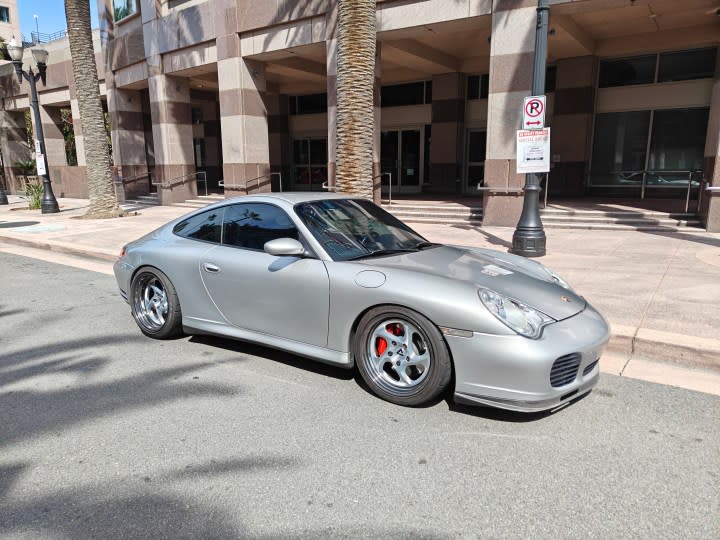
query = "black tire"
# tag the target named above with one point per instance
(155, 305)
(415, 365)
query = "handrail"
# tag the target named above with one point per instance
(257, 186)
(183, 178)
(130, 179)
(645, 172)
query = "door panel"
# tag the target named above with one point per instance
(410, 158)
(280, 296)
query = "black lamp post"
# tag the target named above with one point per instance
(48, 204)
(3, 195)
(529, 237)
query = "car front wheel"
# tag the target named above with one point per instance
(402, 356)
(155, 305)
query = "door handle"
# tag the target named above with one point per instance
(210, 267)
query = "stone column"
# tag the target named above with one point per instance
(14, 147)
(377, 126)
(331, 51)
(572, 123)
(710, 200)
(244, 125)
(128, 142)
(171, 115)
(511, 70)
(77, 130)
(448, 125)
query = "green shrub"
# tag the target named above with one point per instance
(34, 192)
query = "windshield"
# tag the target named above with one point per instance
(356, 228)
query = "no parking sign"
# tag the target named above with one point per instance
(534, 112)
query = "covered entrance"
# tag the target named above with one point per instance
(402, 156)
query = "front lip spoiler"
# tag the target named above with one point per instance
(529, 406)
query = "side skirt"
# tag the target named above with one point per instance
(192, 325)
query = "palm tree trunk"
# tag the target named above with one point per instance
(103, 201)
(356, 35)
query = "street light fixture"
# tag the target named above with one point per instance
(48, 203)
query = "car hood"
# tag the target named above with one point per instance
(516, 277)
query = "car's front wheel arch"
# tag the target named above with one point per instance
(440, 363)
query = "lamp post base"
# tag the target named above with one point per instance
(48, 203)
(529, 242)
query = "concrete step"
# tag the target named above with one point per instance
(572, 218)
(442, 221)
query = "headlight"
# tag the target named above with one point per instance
(525, 320)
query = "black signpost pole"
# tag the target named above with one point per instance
(529, 237)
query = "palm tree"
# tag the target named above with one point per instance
(103, 201)
(356, 37)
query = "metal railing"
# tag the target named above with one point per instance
(644, 185)
(388, 174)
(200, 176)
(41, 37)
(257, 185)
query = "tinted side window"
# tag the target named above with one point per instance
(250, 225)
(205, 226)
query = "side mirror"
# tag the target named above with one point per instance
(284, 247)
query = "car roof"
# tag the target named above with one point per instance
(293, 197)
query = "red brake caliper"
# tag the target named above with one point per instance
(381, 345)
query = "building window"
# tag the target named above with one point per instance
(309, 104)
(123, 9)
(310, 163)
(4, 14)
(620, 149)
(665, 67)
(398, 95)
(477, 86)
(627, 71)
(686, 65)
(550, 78)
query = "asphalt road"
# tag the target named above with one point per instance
(107, 434)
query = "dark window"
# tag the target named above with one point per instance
(398, 95)
(686, 65)
(310, 163)
(197, 115)
(4, 14)
(627, 71)
(309, 104)
(550, 78)
(251, 225)
(478, 86)
(619, 148)
(677, 144)
(205, 226)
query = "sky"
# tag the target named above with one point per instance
(51, 16)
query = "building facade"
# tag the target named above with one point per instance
(9, 20)
(240, 89)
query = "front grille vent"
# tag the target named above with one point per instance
(564, 370)
(589, 367)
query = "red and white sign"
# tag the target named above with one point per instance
(534, 112)
(533, 150)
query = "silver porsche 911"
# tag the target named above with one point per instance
(342, 281)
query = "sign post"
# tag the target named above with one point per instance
(529, 238)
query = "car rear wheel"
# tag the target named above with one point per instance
(155, 305)
(402, 356)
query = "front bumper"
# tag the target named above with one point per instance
(513, 372)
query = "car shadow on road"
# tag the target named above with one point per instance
(282, 357)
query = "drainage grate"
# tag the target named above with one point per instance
(564, 370)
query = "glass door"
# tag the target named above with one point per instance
(401, 156)
(475, 172)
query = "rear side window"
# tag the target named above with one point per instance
(205, 226)
(250, 225)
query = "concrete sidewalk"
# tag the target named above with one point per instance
(659, 290)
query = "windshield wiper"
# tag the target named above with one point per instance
(381, 252)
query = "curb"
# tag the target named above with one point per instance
(666, 347)
(60, 247)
